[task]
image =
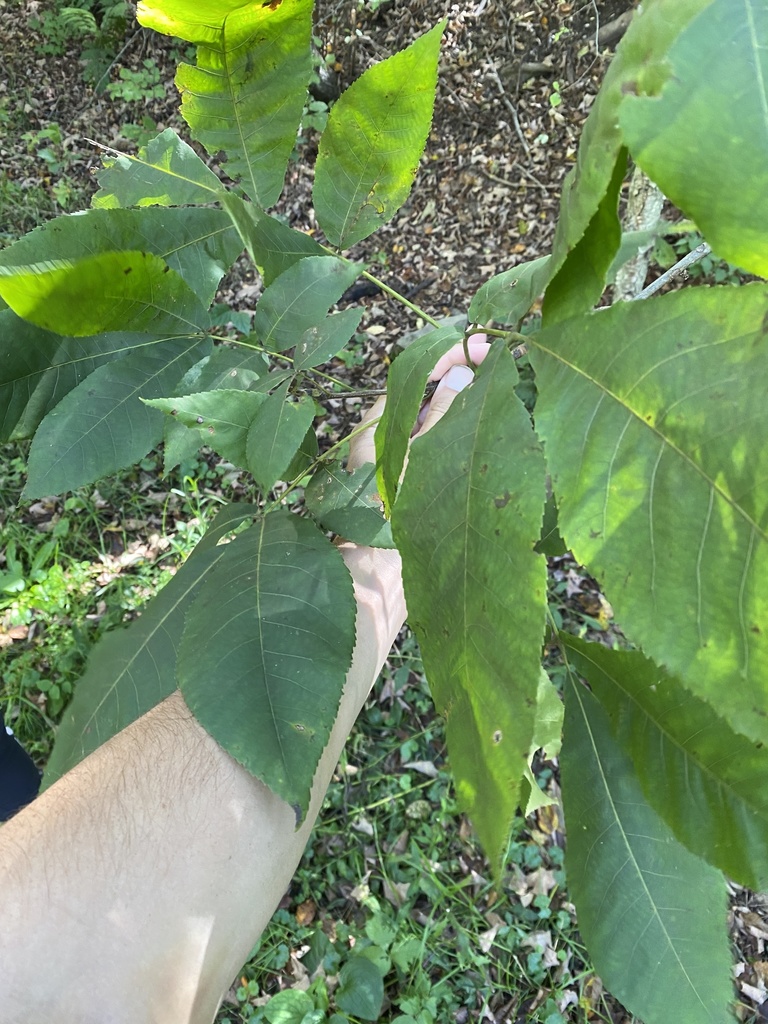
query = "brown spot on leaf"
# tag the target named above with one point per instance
(502, 501)
(497, 736)
(128, 270)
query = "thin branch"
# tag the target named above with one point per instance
(682, 265)
(493, 74)
(400, 298)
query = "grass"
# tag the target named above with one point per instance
(74, 567)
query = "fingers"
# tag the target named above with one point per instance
(453, 374)
(454, 381)
(362, 447)
(478, 350)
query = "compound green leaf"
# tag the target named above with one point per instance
(508, 296)
(406, 381)
(300, 298)
(638, 64)
(275, 436)
(102, 425)
(133, 291)
(219, 418)
(685, 136)
(652, 915)
(369, 152)
(132, 669)
(320, 344)
(272, 245)
(199, 244)
(348, 503)
(37, 368)
(707, 782)
(466, 520)
(656, 430)
(167, 172)
(266, 650)
(246, 94)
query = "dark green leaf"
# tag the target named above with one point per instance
(132, 669)
(370, 149)
(640, 59)
(713, 102)
(220, 419)
(348, 503)
(551, 543)
(266, 650)
(466, 519)
(227, 367)
(652, 915)
(580, 281)
(361, 988)
(271, 381)
(405, 393)
(275, 436)
(167, 172)
(304, 457)
(708, 783)
(300, 298)
(198, 244)
(102, 425)
(37, 368)
(321, 343)
(113, 291)
(272, 245)
(247, 93)
(656, 430)
(507, 297)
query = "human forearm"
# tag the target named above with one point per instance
(152, 868)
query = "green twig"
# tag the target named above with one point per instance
(401, 299)
(389, 290)
(293, 484)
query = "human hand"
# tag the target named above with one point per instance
(453, 375)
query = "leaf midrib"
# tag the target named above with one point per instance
(716, 488)
(630, 852)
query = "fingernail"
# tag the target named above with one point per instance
(457, 378)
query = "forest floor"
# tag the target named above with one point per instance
(517, 79)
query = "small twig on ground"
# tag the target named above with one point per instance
(682, 265)
(494, 75)
(521, 184)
